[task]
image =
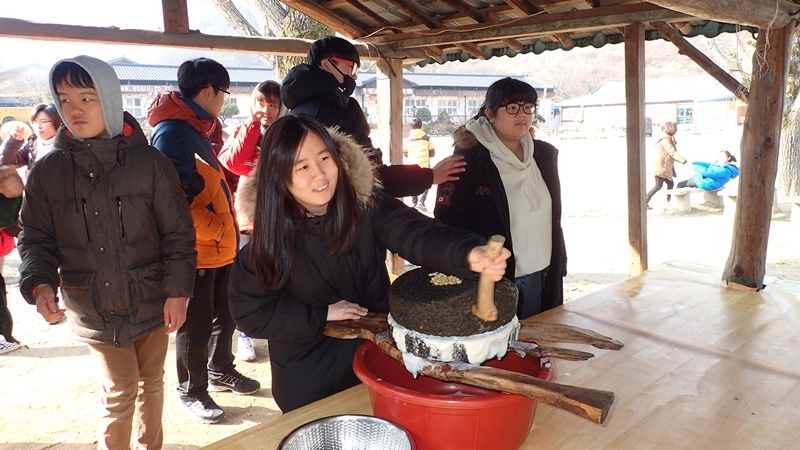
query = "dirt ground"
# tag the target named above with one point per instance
(48, 394)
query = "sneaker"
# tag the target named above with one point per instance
(235, 382)
(202, 408)
(7, 347)
(246, 350)
(422, 208)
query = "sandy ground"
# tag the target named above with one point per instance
(48, 394)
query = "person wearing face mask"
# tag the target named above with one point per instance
(322, 89)
(18, 151)
(511, 188)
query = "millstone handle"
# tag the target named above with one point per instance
(484, 308)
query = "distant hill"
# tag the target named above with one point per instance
(581, 70)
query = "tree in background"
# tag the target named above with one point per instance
(424, 114)
(788, 178)
(228, 110)
(276, 20)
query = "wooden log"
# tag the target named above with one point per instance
(176, 16)
(768, 14)
(760, 144)
(555, 332)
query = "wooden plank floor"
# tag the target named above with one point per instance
(703, 367)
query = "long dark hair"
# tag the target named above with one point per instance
(275, 240)
(505, 91)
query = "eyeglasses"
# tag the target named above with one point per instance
(42, 123)
(352, 65)
(227, 94)
(527, 108)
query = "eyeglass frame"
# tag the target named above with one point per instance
(42, 123)
(225, 92)
(518, 107)
(347, 62)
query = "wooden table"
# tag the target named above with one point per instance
(704, 367)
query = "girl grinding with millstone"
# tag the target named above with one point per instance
(321, 229)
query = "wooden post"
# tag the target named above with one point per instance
(761, 139)
(390, 109)
(635, 118)
(390, 122)
(176, 16)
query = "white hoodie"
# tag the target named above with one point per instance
(529, 203)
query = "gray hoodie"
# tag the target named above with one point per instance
(107, 85)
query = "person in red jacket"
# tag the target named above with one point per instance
(239, 156)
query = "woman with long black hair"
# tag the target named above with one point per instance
(321, 229)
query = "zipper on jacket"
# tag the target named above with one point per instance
(121, 222)
(86, 219)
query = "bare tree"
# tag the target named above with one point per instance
(788, 178)
(276, 20)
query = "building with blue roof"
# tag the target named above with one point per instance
(458, 95)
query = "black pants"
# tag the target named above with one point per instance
(6, 323)
(659, 183)
(687, 183)
(203, 344)
(531, 291)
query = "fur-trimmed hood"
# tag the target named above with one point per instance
(357, 164)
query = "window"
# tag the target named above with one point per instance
(411, 105)
(450, 106)
(684, 114)
(134, 106)
(473, 104)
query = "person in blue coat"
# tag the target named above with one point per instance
(712, 176)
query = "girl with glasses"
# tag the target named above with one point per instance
(18, 151)
(511, 187)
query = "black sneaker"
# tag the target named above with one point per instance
(202, 408)
(235, 382)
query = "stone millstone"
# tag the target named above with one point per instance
(419, 305)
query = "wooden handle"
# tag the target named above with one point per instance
(484, 308)
(555, 332)
(539, 351)
(590, 404)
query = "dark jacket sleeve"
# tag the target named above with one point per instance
(455, 199)
(422, 240)
(15, 152)
(405, 180)
(175, 143)
(265, 314)
(177, 232)
(37, 241)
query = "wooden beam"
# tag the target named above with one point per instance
(326, 18)
(369, 13)
(574, 21)
(414, 14)
(466, 9)
(513, 44)
(473, 50)
(685, 48)
(176, 16)
(390, 108)
(634, 122)
(759, 151)
(15, 28)
(760, 13)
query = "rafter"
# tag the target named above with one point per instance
(540, 25)
(327, 18)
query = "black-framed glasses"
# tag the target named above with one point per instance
(227, 94)
(527, 108)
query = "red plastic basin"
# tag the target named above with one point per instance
(442, 415)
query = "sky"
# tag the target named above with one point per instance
(139, 14)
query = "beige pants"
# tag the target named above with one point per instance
(132, 385)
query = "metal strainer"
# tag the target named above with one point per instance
(347, 432)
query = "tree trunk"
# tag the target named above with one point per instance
(299, 25)
(746, 263)
(789, 160)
